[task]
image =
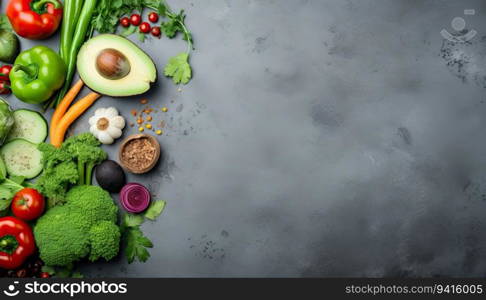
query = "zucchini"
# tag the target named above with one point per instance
(29, 125)
(22, 158)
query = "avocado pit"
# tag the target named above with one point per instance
(112, 64)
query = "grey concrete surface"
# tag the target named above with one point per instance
(318, 138)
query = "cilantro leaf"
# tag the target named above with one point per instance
(131, 220)
(171, 28)
(179, 69)
(154, 210)
(129, 31)
(136, 245)
(141, 36)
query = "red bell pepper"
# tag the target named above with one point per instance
(16, 242)
(34, 19)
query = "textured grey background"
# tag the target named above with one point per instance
(318, 138)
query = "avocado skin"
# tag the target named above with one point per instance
(110, 176)
(9, 46)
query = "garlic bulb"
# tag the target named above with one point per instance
(106, 125)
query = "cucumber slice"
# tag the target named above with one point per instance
(22, 158)
(29, 125)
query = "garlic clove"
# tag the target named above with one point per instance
(92, 121)
(114, 132)
(94, 130)
(100, 112)
(118, 122)
(105, 138)
(111, 112)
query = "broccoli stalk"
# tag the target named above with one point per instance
(85, 148)
(81, 172)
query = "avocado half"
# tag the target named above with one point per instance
(113, 65)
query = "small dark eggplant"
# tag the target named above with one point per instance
(110, 176)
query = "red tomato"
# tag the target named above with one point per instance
(135, 19)
(144, 27)
(155, 31)
(5, 71)
(28, 204)
(153, 17)
(125, 22)
(4, 87)
(44, 275)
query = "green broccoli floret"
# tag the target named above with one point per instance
(105, 241)
(68, 165)
(56, 178)
(60, 235)
(85, 226)
(85, 148)
(95, 202)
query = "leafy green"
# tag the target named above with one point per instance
(8, 189)
(136, 245)
(179, 69)
(129, 31)
(5, 23)
(132, 220)
(141, 36)
(154, 210)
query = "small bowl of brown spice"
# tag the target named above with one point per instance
(139, 153)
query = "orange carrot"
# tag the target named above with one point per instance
(64, 105)
(71, 115)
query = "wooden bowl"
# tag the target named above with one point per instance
(134, 169)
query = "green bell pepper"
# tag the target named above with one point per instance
(37, 74)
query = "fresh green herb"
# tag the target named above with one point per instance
(136, 245)
(141, 36)
(129, 31)
(5, 23)
(132, 220)
(135, 242)
(154, 210)
(8, 188)
(179, 69)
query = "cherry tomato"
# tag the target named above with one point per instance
(155, 31)
(5, 71)
(125, 22)
(44, 275)
(153, 17)
(135, 19)
(28, 204)
(4, 87)
(144, 27)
